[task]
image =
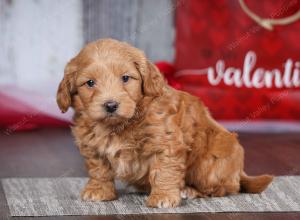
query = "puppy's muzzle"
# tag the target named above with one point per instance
(111, 106)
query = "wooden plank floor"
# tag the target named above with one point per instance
(51, 153)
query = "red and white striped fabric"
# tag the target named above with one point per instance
(23, 110)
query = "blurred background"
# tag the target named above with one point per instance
(240, 57)
(39, 37)
(186, 38)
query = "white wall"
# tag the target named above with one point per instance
(37, 38)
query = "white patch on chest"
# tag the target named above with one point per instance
(123, 158)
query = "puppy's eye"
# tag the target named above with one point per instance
(90, 83)
(125, 78)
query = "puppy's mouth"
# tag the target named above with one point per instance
(113, 118)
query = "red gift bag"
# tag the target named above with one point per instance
(242, 58)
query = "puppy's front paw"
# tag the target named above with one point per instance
(98, 194)
(163, 200)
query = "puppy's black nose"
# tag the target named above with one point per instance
(111, 106)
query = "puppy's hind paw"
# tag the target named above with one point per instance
(190, 193)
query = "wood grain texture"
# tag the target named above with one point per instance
(51, 153)
(143, 23)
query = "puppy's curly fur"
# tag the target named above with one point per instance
(158, 139)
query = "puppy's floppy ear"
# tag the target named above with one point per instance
(66, 87)
(153, 81)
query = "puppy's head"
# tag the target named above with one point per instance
(107, 80)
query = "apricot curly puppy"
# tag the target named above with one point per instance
(129, 124)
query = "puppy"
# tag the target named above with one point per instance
(130, 125)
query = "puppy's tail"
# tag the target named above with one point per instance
(254, 184)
